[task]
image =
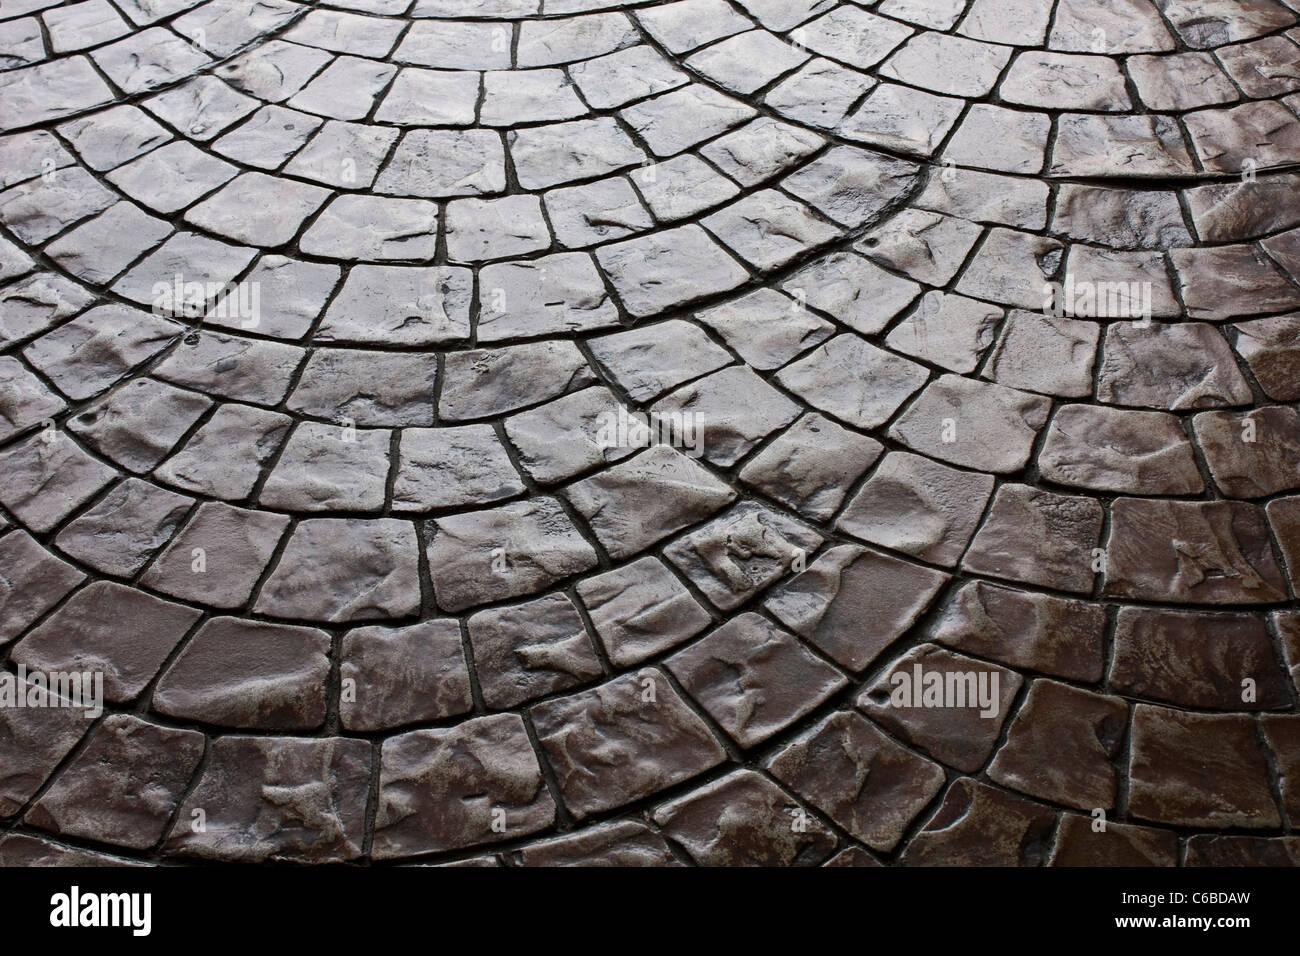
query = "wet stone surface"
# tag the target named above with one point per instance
(612, 433)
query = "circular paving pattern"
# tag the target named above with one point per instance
(969, 326)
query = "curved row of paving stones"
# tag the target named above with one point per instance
(364, 582)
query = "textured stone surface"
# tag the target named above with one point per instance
(535, 432)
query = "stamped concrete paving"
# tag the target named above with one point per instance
(313, 316)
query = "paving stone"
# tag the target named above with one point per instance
(139, 423)
(680, 187)
(741, 553)
(440, 789)
(1231, 281)
(484, 382)
(38, 209)
(901, 119)
(1272, 349)
(973, 424)
(1120, 218)
(1175, 367)
(441, 163)
(596, 212)
(1119, 451)
(926, 246)
(38, 302)
(47, 477)
(1207, 850)
(401, 305)
(760, 150)
(860, 778)
(1038, 537)
(1038, 632)
(107, 629)
(1061, 744)
(503, 552)
(1129, 26)
(375, 575)
(853, 290)
(530, 650)
(122, 531)
(349, 155)
(561, 293)
(225, 457)
(745, 820)
(811, 465)
(819, 94)
(1021, 357)
(852, 602)
(651, 360)
(979, 196)
(728, 413)
(218, 556)
(1203, 552)
(511, 98)
(1196, 660)
(947, 330)
(753, 678)
(1284, 516)
(958, 723)
(1100, 145)
(1079, 843)
(367, 388)
(327, 468)
(98, 250)
(639, 610)
(290, 295)
(122, 788)
(1180, 81)
(373, 228)
(402, 675)
(978, 825)
(622, 741)
(632, 505)
(971, 68)
(450, 467)
(997, 138)
(1254, 454)
(276, 799)
(1199, 770)
(250, 675)
(1065, 80)
(853, 380)
(19, 849)
(654, 273)
(34, 741)
(623, 843)
(24, 401)
(919, 507)
(682, 118)
(32, 582)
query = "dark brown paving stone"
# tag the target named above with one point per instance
(860, 778)
(248, 674)
(1079, 842)
(625, 843)
(345, 569)
(1198, 660)
(31, 582)
(123, 788)
(852, 602)
(622, 741)
(1284, 517)
(1282, 735)
(1212, 552)
(218, 556)
(753, 678)
(392, 676)
(978, 825)
(977, 425)
(1254, 454)
(640, 610)
(501, 553)
(956, 717)
(527, 651)
(1038, 537)
(919, 507)
(478, 782)
(636, 503)
(1211, 850)
(108, 629)
(280, 799)
(742, 552)
(811, 465)
(1025, 629)
(1119, 451)
(1175, 367)
(1272, 349)
(1199, 770)
(744, 819)
(1061, 745)
(33, 740)
(19, 849)
(1287, 625)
